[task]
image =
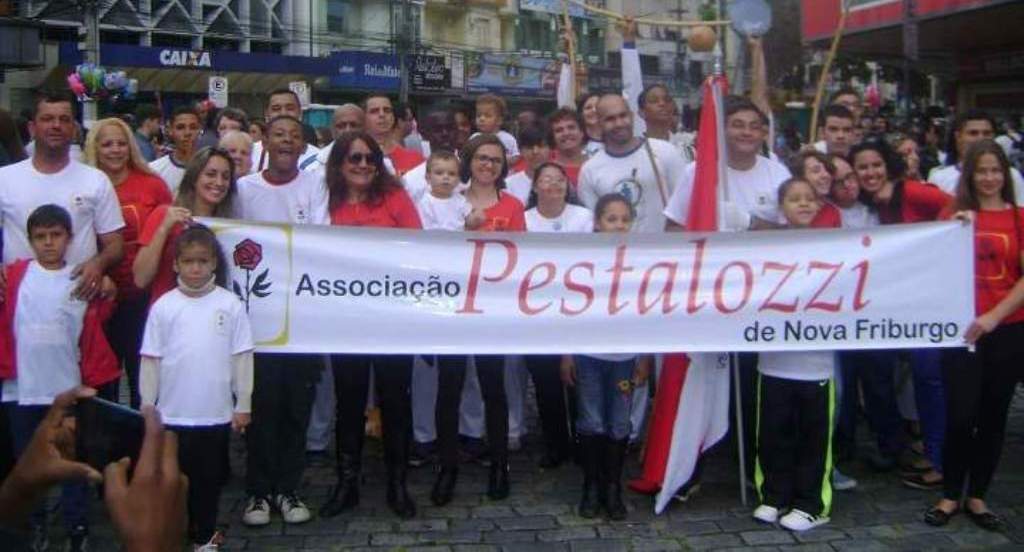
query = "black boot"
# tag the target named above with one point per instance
(614, 457)
(444, 486)
(497, 482)
(345, 494)
(590, 453)
(398, 496)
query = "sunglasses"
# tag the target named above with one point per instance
(358, 158)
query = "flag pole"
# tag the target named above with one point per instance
(723, 196)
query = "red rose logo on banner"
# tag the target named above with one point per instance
(247, 256)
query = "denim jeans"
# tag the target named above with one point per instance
(604, 390)
(873, 370)
(929, 392)
(74, 495)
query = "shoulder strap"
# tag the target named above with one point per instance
(657, 173)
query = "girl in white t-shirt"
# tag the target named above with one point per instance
(197, 369)
(551, 205)
(796, 403)
(604, 393)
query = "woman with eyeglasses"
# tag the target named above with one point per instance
(111, 148)
(364, 193)
(483, 165)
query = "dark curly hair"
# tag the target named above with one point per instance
(383, 183)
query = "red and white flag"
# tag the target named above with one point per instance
(691, 407)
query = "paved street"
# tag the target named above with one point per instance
(880, 515)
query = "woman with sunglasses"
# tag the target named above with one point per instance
(364, 193)
(483, 165)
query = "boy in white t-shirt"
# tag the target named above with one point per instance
(183, 130)
(442, 208)
(50, 342)
(490, 115)
(197, 354)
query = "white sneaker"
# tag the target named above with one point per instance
(841, 481)
(766, 513)
(798, 520)
(257, 511)
(292, 509)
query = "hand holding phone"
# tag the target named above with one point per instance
(107, 432)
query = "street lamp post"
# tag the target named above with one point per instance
(91, 18)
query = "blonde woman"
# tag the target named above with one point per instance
(111, 148)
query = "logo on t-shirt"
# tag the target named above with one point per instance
(631, 189)
(300, 215)
(220, 322)
(78, 202)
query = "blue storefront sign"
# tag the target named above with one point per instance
(124, 55)
(365, 70)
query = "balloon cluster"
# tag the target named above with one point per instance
(93, 82)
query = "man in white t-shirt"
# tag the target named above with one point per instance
(753, 180)
(283, 101)
(970, 127)
(50, 176)
(183, 132)
(284, 384)
(644, 170)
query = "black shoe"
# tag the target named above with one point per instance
(78, 539)
(590, 456)
(986, 520)
(398, 495)
(937, 517)
(444, 486)
(497, 482)
(420, 454)
(614, 457)
(917, 481)
(344, 495)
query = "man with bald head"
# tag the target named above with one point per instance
(346, 118)
(626, 166)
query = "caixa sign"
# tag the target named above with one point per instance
(185, 58)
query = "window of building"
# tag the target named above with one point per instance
(337, 12)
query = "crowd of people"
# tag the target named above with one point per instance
(108, 278)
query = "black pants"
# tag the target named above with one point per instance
(490, 370)
(124, 332)
(979, 387)
(392, 378)
(794, 444)
(872, 371)
(201, 455)
(282, 399)
(547, 381)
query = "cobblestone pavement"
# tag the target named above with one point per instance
(878, 515)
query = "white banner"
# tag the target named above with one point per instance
(359, 290)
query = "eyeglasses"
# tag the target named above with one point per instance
(488, 159)
(551, 180)
(359, 157)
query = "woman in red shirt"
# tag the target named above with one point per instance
(484, 166)
(207, 190)
(111, 148)
(883, 186)
(980, 383)
(364, 193)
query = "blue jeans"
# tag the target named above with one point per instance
(929, 392)
(74, 497)
(604, 390)
(873, 370)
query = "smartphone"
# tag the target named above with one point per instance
(106, 432)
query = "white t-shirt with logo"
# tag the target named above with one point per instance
(632, 175)
(47, 328)
(169, 169)
(85, 192)
(195, 338)
(519, 185)
(301, 201)
(756, 191)
(573, 219)
(443, 213)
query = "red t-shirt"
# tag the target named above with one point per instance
(404, 159)
(394, 210)
(921, 203)
(997, 251)
(139, 194)
(572, 171)
(504, 216)
(828, 217)
(165, 279)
